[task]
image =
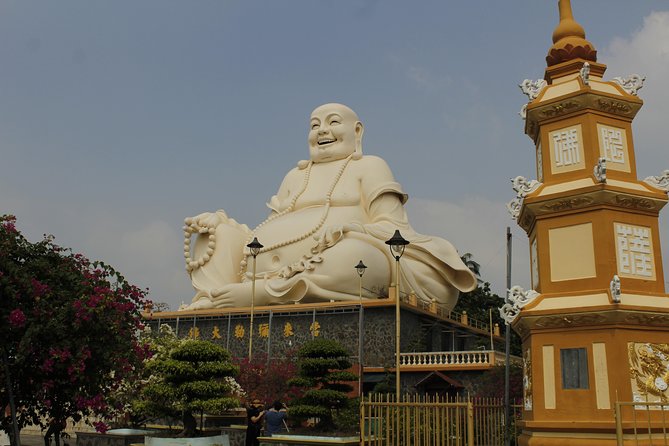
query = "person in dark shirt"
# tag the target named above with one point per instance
(254, 415)
(275, 418)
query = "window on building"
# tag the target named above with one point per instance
(574, 362)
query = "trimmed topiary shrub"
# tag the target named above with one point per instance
(322, 365)
(195, 376)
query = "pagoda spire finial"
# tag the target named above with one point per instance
(567, 26)
(569, 40)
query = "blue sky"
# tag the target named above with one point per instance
(119, 119)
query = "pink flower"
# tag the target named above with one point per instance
(39, 289)
(47, 365)
(8, 225)
(17, 319)
(101, 427)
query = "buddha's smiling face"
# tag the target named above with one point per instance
(334, 133)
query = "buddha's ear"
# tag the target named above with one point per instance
(359, 130)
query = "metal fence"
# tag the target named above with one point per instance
(433, 420)
(642, 423)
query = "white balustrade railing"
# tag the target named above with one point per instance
(460, 358)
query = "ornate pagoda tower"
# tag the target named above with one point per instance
(595, 326)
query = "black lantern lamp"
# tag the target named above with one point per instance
(255, 246)
(397, 244)
(361, 267)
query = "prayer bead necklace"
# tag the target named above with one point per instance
(291, 207)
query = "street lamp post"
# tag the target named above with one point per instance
(360, 268)
(255, 248)
(397, 244)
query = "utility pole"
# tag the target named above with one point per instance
(507, 345)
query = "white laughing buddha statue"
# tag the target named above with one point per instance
(330, 212)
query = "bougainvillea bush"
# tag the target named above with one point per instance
(69, 332)
(268, 380)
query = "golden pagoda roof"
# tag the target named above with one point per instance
(569, 40)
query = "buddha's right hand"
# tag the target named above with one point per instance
(203, 222)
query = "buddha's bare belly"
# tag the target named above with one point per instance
(291, 236)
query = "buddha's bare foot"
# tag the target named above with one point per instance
(201, 301)
(234, 295)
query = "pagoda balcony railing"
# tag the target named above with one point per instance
(473, 358)
(443, 311)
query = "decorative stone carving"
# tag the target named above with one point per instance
(569, 203)
(631, 84)
(532, 129)
(613, 106)
(649, 373)
(582, 50)
(659, 182)
(523, 111)
(634, 203)
(598, 317)
(532, 90)
(569, 320)
(523, 187)
(647, 319)
(513, 207)
(526, 222)
(527, 379)
(518, 298)
(558, 109)
(600, 170)
(585, 73)
(615, 289)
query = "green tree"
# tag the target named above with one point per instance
(479, 304)
(322, 368)
(131, 407)
(68, 329)
(194, 376)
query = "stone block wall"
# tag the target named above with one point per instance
(279, 332)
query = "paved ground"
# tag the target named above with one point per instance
(37, 440)
(32, 440)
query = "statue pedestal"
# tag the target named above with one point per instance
(280, 330)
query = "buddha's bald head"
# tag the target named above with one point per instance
(335, 132)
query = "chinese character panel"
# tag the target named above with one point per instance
(634, 251)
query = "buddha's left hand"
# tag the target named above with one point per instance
(333, 234)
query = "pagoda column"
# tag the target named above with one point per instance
(595, 325)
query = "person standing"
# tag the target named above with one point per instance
(254, 416)
(275, 418)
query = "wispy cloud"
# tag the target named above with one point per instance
(646, 52)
